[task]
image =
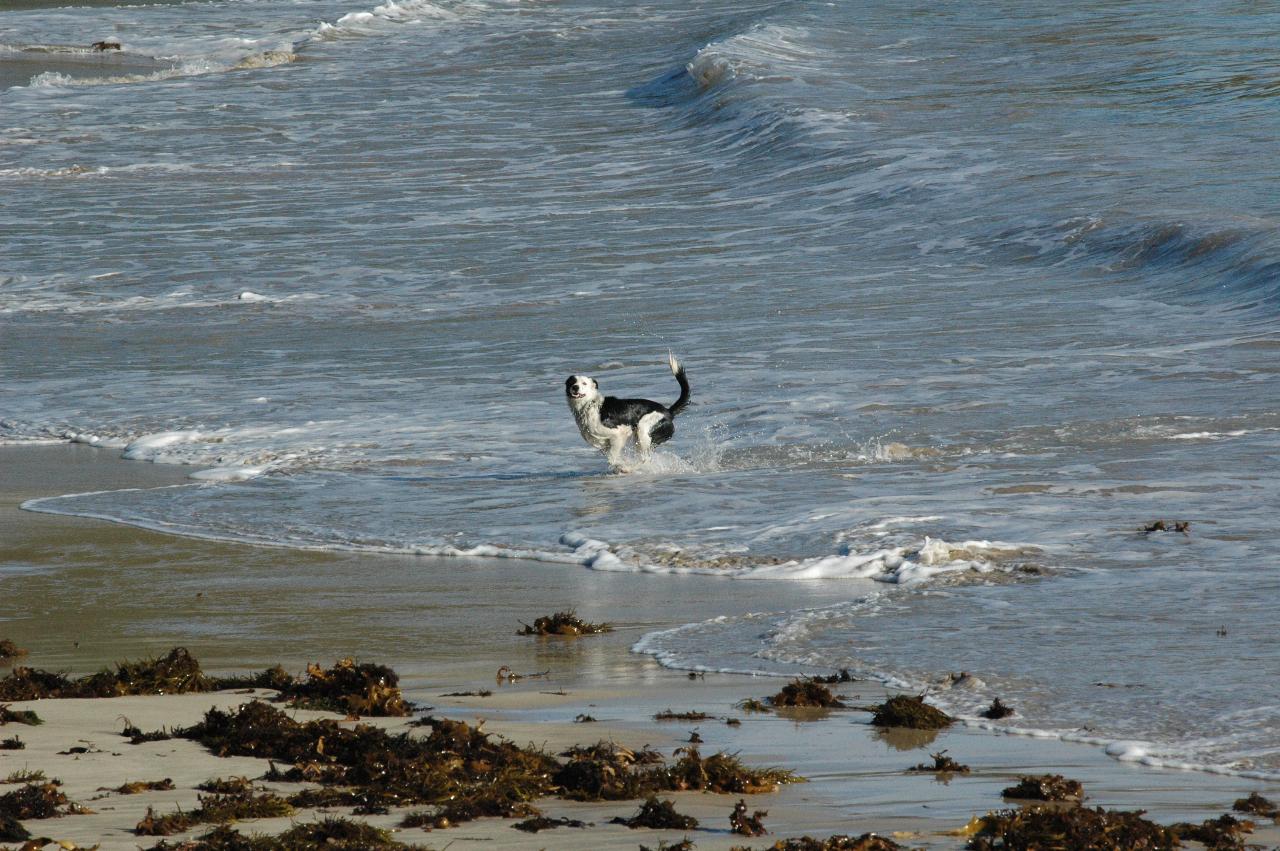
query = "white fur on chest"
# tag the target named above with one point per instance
(596, 432)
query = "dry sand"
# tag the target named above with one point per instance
(83, 593)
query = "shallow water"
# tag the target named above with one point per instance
(967, 298)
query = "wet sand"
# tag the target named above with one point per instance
(82, 594)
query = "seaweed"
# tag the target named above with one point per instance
(733, 722)
(1046, 787)
(348, 687)
(1256, 805)
(137, 737)
(563, 623)
(603, 772)
(1224, 833)
(669, 715)
(215, 808)
(1183, 526)
(685, 844)
(747, 825)
(19, 716)
(842, 677)
(137, 786)
(10, 651)
(658, 814)
(457, 767)
(484, 692)
(912, 712)
(997, 710)
(174, 673)
(13, 743)
(538, 823)
(37, 801)
(275, 677)
(227, 786)
(865, 842)
(24, 775)
(942, 764)
(753, 705)
(584, 719)
(33, 684)
(804, 692)
(330, 834)
(11, 830)
(1074, 829)
(720, 772)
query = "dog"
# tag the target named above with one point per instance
(609, 424)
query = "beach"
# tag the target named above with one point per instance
(84, 594)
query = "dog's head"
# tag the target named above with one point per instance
(581, 390)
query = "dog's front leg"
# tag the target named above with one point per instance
(617, 442)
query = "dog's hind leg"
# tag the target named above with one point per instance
(645, 432)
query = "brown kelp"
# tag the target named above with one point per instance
(1256, 805)
(10, 651)
(138, 786)
(1046, 787)
(1224, 833)
(349, 687)
(806, 692)
(997, 710)
(671, 715)
(865, 842)
(1073, 829)
(745, 824)
(13, 743)
(942, 764)
(37, 801)
(18, 716)
(658, 814)
(459, 768)
(537, 823)
(328, 834)
(215, 809)
(563, 623)
(907, 711)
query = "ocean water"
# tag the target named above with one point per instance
(968, 295)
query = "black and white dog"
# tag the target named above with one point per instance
(608, 423)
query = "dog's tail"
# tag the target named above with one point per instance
(678, 371)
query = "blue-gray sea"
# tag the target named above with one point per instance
(968, 293)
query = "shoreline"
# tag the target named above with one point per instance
(857, 780)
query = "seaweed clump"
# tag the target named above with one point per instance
(671, 715)
(538, 823)
(37, 801)
(13, 743)
(348, 687)
(176, 672)
(457, 767)
(1046, 787)
(329, 834)
(1256, 805)
(721, 772)
(10, 651)
(137, 786)
(1076, 829)
(912, 712)
(997, 710)
(215, 809)
(658, 814)
(563, 623)
(865, 842)
(806, 692)
(1224, 833)
(20, 716)
(942, 764)
(604, 771)
(747, 825)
